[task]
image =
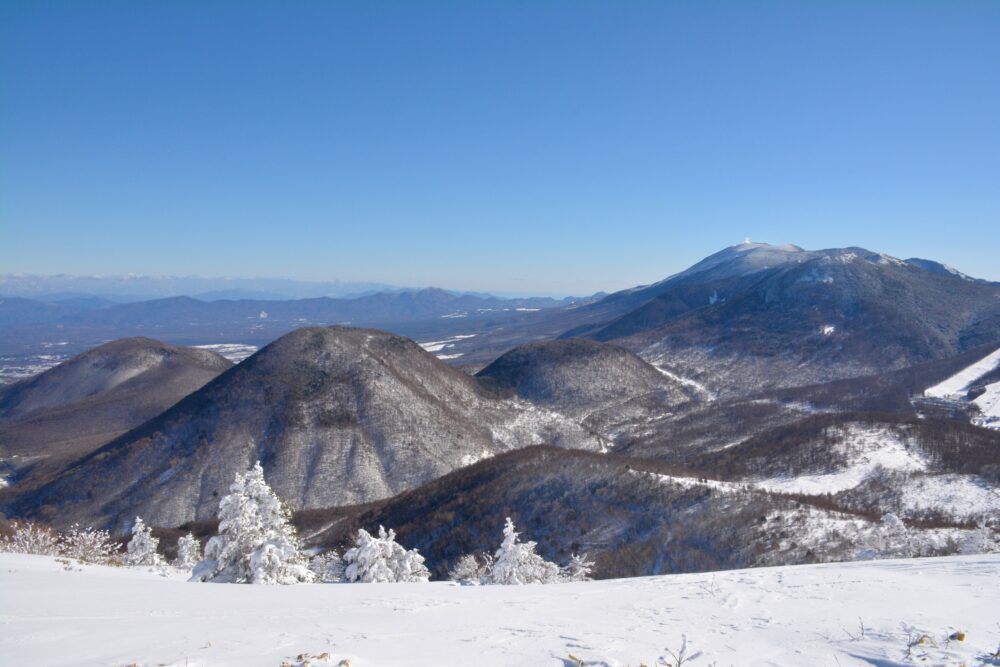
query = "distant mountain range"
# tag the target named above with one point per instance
(767, 405)
(128, 288)
(80, 323)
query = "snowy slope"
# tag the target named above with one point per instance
(989, 405)
(805, 615)
(868, 450)
(958, 383)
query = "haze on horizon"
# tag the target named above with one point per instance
(558, 148)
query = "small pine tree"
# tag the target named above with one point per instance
(328, 567)
(517, 563)
(381, 560)
(188, 552)
(896, 537)
(256, 542)
(578, 569)
(141, 549)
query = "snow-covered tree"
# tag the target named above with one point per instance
(466, 570)
(30, 538)
(896, 536)
(578, 569)
(381, 559)
(142, 547)
(188, 552)
(328, 567)
(979, 540)
(88, 545)
(256, 543)
(517, 563)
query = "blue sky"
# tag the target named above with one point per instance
(517, 147)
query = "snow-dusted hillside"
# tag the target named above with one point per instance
(956, 388)
(958, 384)
(835, 614)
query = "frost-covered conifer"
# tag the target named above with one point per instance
(188, 552)
(381, 559)
(517, 563)
(328, 567)
(979, 540)
(256, 543)
(897, 537)
(578, 569)
(142, 547)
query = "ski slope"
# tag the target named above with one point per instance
(958, 383)
(834, 614)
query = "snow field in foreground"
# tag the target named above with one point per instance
(800, 615)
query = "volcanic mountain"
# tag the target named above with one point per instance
(756, 316)
(335, 415)
(68, 411)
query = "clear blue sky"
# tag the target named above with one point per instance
(516, 147)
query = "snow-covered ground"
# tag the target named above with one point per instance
(235, 352)
(704, 391)
(836, 614)
(447, 343)
(960, 496)
(958, 384)
(17, 368)
(956, 387)
(869, 450)
(989, 406)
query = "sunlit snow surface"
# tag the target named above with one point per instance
(958, 383)
(235, 352)
(447, 343)
(956, 387)
(16, 368)
(835, 614)
(989, 406)
(870, 450)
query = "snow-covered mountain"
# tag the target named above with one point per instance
(766, 396)
(757, 316)
(337, 416)
(56, 417)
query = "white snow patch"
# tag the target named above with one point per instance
(790, 616)
(957, 384)
(694, 384)
(869, 449)
(469, 459)
(438, 345)
(989, 407)
(450, 356)
(963, 496)
(889, 259)
(692, 482)
(235, 352)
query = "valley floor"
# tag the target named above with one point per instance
(802, 615)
